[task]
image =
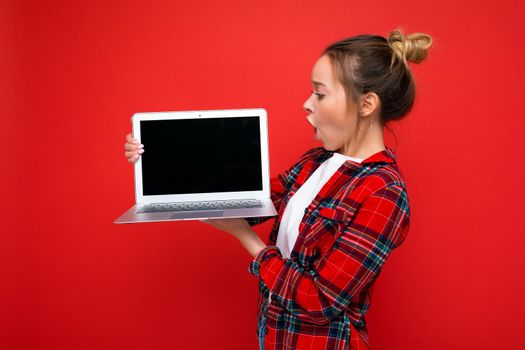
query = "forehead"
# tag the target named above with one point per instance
(322, 71)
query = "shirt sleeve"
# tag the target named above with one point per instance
(321, 294)
(279, 186)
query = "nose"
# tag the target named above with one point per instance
(308, 106)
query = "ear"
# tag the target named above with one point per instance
(368, 104)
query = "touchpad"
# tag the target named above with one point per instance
(198, 214)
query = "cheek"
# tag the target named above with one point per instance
(329, 108)
(323, 115)
(329, 118)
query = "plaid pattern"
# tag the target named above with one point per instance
(321, 293)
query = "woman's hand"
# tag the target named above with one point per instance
(234, 226)
(133, 148)
(239, 228)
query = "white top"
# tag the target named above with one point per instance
(294, 211)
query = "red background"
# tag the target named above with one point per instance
(72, 75)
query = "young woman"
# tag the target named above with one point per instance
(342, 208)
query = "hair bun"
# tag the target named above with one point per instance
(412, 47)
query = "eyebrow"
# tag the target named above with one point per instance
(318, 83)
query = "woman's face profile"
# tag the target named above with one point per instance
(326, 107)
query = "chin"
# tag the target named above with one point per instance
(330, 148)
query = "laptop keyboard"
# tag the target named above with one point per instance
(190, 206)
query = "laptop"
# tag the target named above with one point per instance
(201, 164)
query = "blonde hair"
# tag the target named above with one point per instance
(412, 47)
(372, 63)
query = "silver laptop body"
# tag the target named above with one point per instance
(201, 164)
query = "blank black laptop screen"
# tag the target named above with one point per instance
(201, 155)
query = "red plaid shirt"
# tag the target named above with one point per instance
(321, 293)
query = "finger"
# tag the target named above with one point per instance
(132, 155)
(130, 139)
(133, 147)
(133, 159)
(130, 147)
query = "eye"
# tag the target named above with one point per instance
(320, 96)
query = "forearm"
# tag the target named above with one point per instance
(251, 241)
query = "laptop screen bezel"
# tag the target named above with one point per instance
(140, 198)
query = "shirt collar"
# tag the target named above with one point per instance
(387, 155)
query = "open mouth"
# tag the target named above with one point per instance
(310, 120)
(312, 123)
